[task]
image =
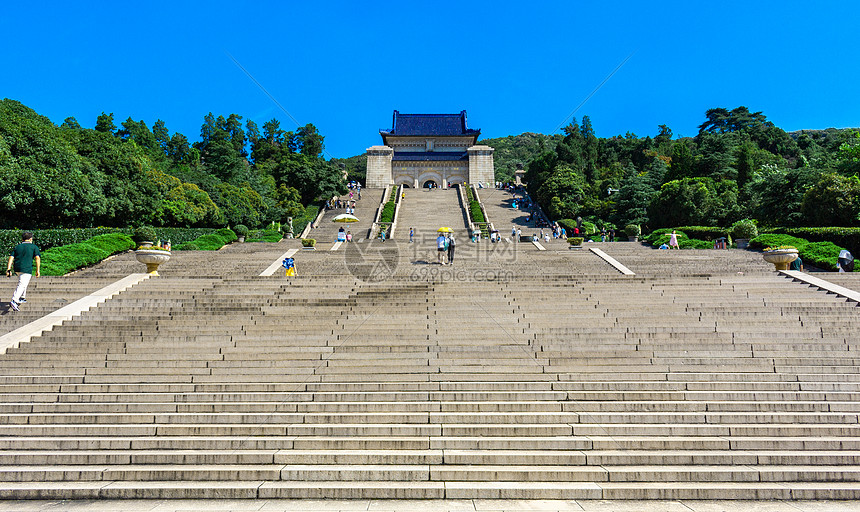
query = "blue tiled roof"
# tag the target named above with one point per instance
(422, 156)
(422, 125)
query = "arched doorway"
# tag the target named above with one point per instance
(430, 184)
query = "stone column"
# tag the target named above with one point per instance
(481, 167)
(379, 169)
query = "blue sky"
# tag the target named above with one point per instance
(514, 66)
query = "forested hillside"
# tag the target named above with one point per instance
(129, 175)
(738, 166)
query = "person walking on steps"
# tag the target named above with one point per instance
(21, 260)
(451, 245)
(440, 248)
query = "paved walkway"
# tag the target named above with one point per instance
(428, 506)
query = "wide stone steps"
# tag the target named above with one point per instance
(567, 380)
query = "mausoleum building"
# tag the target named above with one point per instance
(423, 149)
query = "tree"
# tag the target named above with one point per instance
(745, 164)
(684, 202)
(71, 123)
(632, 200)
(563, 192)
(833, 201)
(849, 154)
(777, 194)
(105, 123)
(162, 136)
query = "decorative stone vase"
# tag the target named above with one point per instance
(781, 258)
(632, 238)
(241, 239)
(152, 258)
(742, 243)
(146, 243)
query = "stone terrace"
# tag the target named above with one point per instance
(514, 373)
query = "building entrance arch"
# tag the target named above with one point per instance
(430, 184)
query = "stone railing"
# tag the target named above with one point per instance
(314, 223)
(373, 232)
(397, 199)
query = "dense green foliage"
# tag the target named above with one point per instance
(738, 166)
(54, 176)
(62, 260)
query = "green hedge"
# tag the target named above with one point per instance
(775, 240)
(821, 254)
(49, 238)
(269, 235)
(703, 232)
(209, 242)
(475, 210)
(848, 238)
(387, 214)
(58, 261)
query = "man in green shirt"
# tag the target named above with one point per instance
(22, 258)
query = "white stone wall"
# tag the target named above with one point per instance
(481, 168)
(379, 167)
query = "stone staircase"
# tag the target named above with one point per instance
(429, 209)
(326, 232)
(522, 374)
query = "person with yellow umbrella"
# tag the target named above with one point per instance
(441, 244)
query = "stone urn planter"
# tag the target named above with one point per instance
(742, 243)
(781, 258)
(152, 258)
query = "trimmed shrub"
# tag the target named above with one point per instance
(308, 242)
(61, 260)
(387, 214)
(693, 243)
(144, 233)
(113, 243)
(820, 254)
(775, 240)
(241, 230)
(187, 246)
(575, 240)
(745, 228)
(227, 234)
(211, 242)
(632, 230)
(475, 210)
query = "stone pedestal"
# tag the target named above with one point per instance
(379, 166)
(481, 167)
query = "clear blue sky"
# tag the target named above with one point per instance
(514, 66)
